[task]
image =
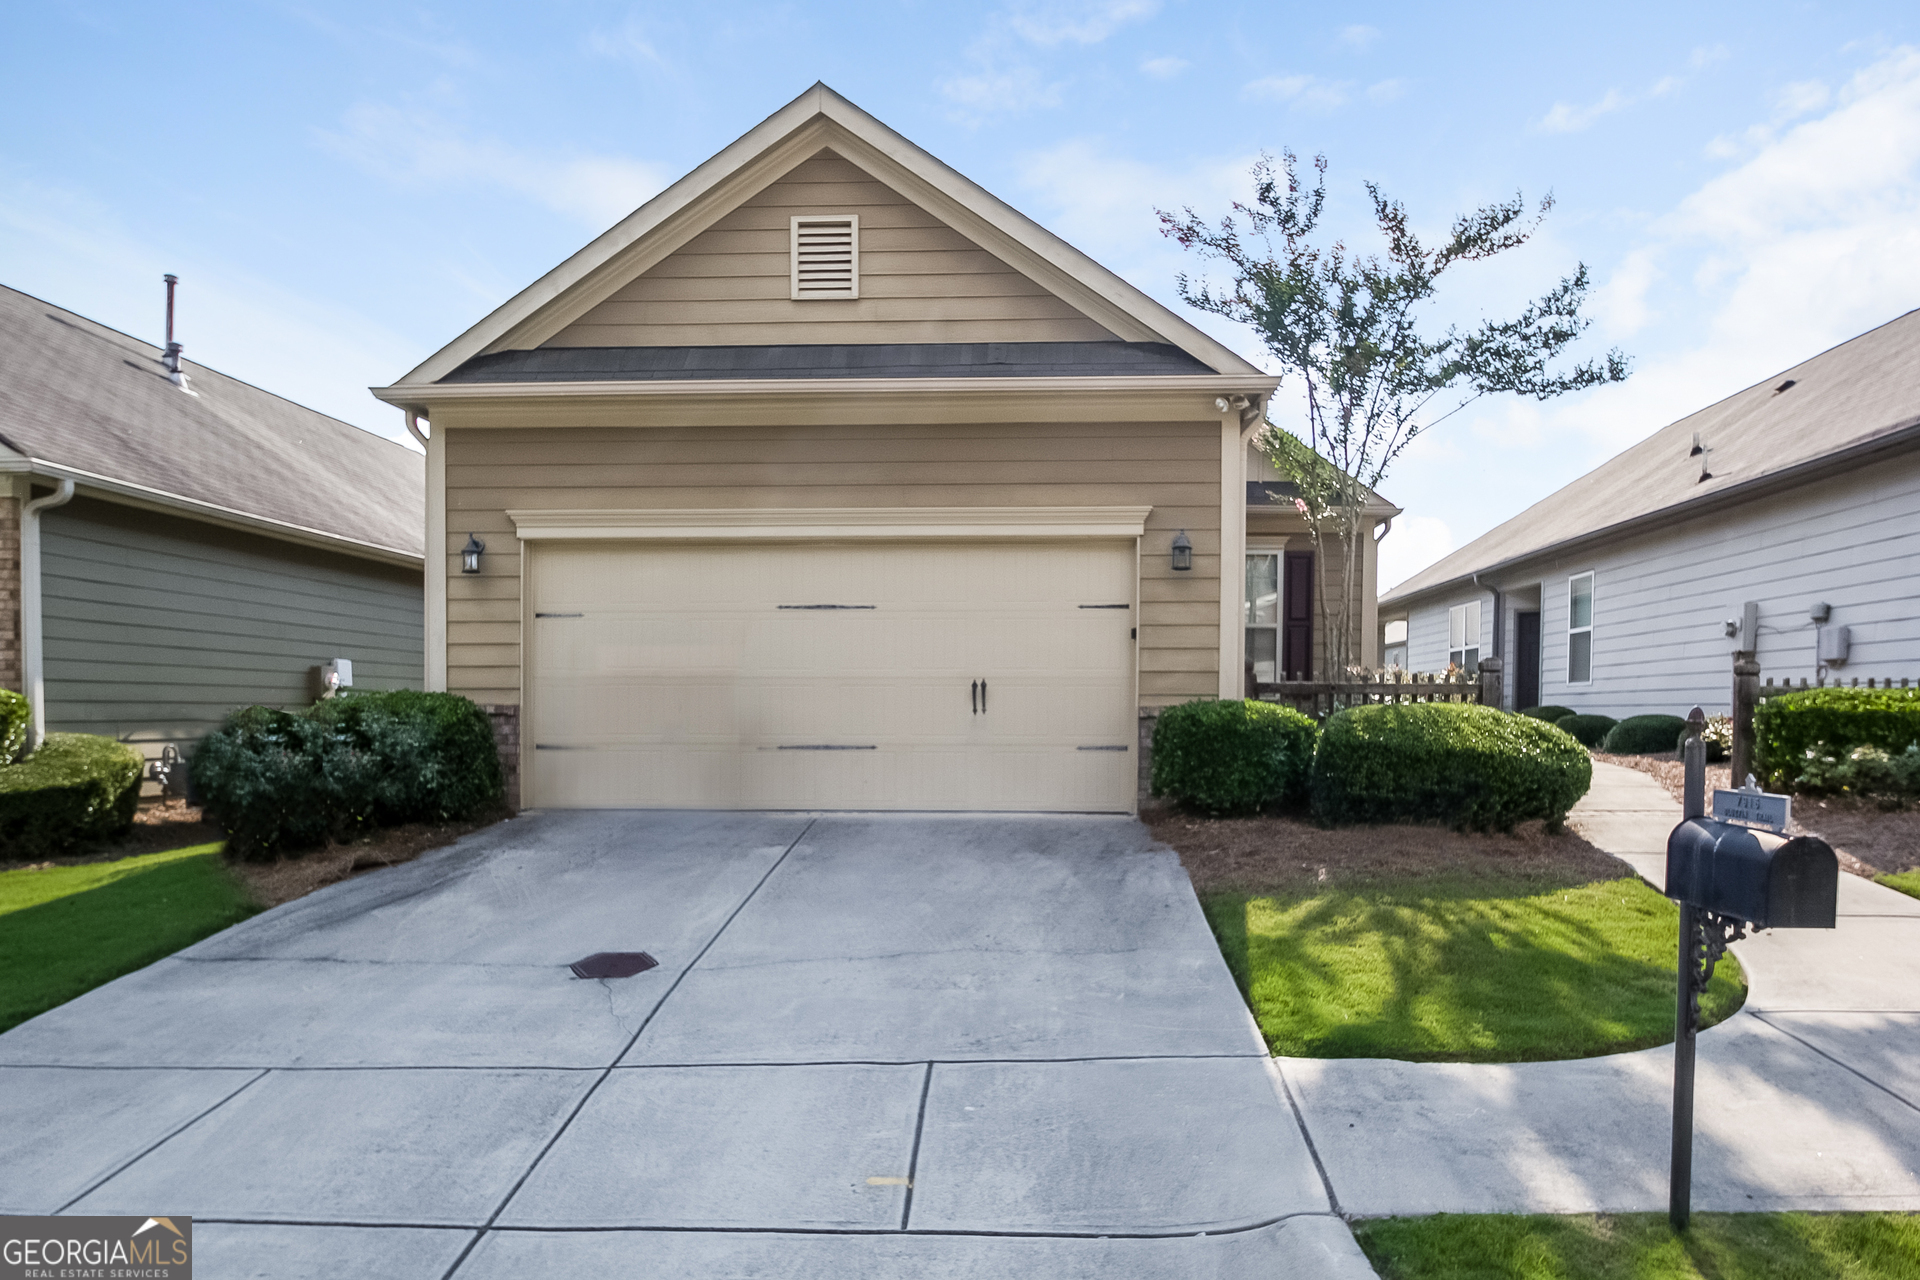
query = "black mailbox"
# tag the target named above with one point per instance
(1744, 874)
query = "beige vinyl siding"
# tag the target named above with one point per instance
(156, 627)
(920, 280)
(1172, 467)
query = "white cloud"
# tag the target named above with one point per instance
(1706, 55)
(1164, 68)
(1064, 22)
(628, 44)
(1567, 118)
(1297, 90)
(1386, 91)
(1359, 36)
(1411, 545)
(999, 92)
(418, 146)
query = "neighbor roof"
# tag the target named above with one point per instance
(817, 120)
(79, 399)
(1843, 407)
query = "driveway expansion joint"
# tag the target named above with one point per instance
(170, 1135)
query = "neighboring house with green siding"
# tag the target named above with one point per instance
(171, 548)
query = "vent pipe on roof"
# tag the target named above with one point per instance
(171, 357)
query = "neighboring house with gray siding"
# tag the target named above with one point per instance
(1627, 591)
(172, 550)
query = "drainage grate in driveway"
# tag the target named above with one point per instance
(613, 964)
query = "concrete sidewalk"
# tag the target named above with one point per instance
(1808, 1098)
(874, 1046)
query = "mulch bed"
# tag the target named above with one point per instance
(173, 824)
(1872, 837)
(1278, 854)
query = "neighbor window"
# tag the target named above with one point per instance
(1263, 614)
(1393, 637)
(1463, 637)
(1580, 629)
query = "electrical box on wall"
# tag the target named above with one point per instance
(1833, 645)
(331, 677)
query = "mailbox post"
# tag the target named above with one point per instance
(1729, 877)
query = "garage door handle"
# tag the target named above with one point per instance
(973, 696)
(983, 697)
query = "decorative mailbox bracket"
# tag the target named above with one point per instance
(1729, 878)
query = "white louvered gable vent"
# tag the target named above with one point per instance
(826, 255)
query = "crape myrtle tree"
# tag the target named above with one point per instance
(1350, 329)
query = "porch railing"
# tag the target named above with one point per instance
(1321, 698)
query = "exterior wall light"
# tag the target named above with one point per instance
(470, 555)
(1182, 552)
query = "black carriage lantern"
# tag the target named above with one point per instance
(470, 555)
(1182, 552)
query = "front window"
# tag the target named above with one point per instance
(1394, 639)
(1463, 637)
(1580, 629)
(1263, 614)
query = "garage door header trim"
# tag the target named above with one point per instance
(707, 524)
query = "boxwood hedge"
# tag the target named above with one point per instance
(1587, 730)
(1644, 735)
(1792, 729)
(16, 714)
(74, 788)
(1468, 766)
(280, 781)
(1232, 756)
(1552, 715)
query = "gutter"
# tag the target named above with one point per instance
(32, 641)
(136, 495)
(1901, 438)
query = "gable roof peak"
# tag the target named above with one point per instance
(816, 120)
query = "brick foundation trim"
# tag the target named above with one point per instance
(505, 718)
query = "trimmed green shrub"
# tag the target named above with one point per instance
(1587, 730)
(1468, 766)
(1232, 757)
(1552, 715)
(1643, 735)
(16, 716)
(1866, 771)
(1717, 737)
(1792, 729)
(280, 781)
(74, 788)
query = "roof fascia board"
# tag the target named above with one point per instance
(769, 523)
(720, 388)
(1901, 438)
(759, 156)
(91, 485)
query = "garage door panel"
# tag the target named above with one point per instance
(672, 676)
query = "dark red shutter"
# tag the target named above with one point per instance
(1296, 617)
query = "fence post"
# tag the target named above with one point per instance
(1493, 690)
(1746, 692)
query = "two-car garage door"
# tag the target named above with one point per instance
(932, 675)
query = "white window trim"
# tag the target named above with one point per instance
(793, 255)
(1469, 644)
(1279, 605)
(1587, 630)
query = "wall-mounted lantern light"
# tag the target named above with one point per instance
(470, 555)
(1182, 552)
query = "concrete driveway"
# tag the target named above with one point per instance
(874, 1046)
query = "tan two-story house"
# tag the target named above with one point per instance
(827, 480)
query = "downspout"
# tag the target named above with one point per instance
(32, 650)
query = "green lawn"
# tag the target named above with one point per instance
(1907, 882)
(1461, 970)
(1640, 1246)
(66, 930)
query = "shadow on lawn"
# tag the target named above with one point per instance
(55, 950)
(1460, 970)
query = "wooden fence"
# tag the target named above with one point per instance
(1321, 698)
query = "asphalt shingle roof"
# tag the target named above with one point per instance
(1842, 399)
(77, 394)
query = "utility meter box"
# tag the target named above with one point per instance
(1774, 882)
(1834, 643)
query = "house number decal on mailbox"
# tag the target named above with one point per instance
(1752, 808)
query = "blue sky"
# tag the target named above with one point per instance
(344, 188)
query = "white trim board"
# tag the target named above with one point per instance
(786, 523)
